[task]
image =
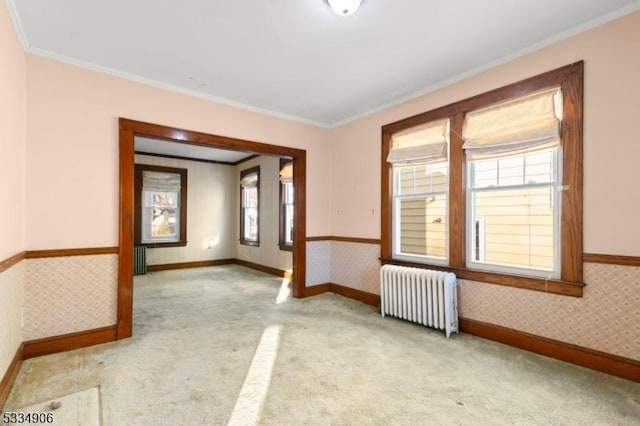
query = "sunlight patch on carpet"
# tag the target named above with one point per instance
(80, 408)
(285, 291)
(250, 402)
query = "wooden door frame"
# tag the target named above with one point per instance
(129, 129)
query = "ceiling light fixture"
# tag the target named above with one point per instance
(344, 7)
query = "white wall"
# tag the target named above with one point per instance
(211, 198)
(268, 253)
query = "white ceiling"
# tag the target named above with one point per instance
(296, 58)
(176, 149)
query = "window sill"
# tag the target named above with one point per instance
(564, 288)
(250, 243)
(285, 247)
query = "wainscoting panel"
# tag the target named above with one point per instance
(356, 265)
(70, 294)
(11, 298)
(318, 262)
(606, 318)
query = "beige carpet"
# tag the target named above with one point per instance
(80, 408)
(225, 345)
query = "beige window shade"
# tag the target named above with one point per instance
(421, 144)
(286, 173)
(161, 181)
(517, 126)
(249, 181)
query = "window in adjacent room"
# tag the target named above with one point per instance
(161, 206)
(286, 204)
(250, 206)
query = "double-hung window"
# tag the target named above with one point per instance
(420, 187)
(286, 205)
(160, 204)
(490, 187)
(513, 210)
(249, 206)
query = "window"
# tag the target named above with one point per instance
(420, 192)
(505, 205)
(286, 204)
(161, 206)
(513, 214)
(250, 206)
(512, 162)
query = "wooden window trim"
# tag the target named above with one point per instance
(139, 168)
(243, 241)
(282, 215)
(570, 79)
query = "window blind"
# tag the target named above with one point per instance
(160, 181)
(425, 143)
(286, 173)
(518, 126)
(249, 181)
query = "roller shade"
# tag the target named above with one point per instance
(517, 126)
(249, 181)
(420, 144)
(286, 173)
(160, 181)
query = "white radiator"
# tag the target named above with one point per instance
(422, 296)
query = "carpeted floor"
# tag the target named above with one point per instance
(224, 345)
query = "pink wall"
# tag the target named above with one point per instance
(612, 100)
(12, 138)
(72, 149)
(12, 185)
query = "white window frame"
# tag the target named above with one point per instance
(246, 185)
(288, 211)
(555, 185)
(396, 221)
(147, 217)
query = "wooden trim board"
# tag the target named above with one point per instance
(10, 376)
(205, 263)
(13, 260)
(351, 293)
(187, 265)
(38, 254)
(315, 290)
(265, 269)
(345, 239)
(600, 361)
(611, 259)
(67, 342)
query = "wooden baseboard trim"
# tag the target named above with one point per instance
(315, 290)
(355, 294)
(600, 361)
(205, 263)
(351, 293)
(188, 265)
(67, 342)
(10, 376)
(262, 268)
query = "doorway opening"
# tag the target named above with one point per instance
(129, 130)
